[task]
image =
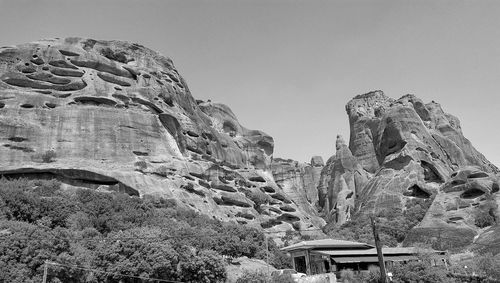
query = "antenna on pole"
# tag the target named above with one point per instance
(381, 262)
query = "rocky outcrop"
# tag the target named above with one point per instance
(299, 181)
(417, 146)
(465, 205)
(342, 179)
(365, 113)
(401, 149)
(118, 116)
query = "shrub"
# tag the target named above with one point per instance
(257, 276)
(49, 156)
(141, 165)
(162, 171)
(485, 215)
(372, 276)
(419, 272)
(115, 56)
(257, 196)
(46, 157)
(489, 265)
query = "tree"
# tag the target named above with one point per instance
(489, 265)
(25, 247)
(419, 272)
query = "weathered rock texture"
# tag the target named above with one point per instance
(398, 150)
(341, 181)
(119, 116)
(460, 210)
(300, 181)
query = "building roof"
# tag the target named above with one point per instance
(370, 255)
(372, 251)
(348, 259)
(326, 244)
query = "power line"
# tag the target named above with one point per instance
(110, 273)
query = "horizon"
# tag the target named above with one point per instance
(288, 68)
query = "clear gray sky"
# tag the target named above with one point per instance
(289, 67)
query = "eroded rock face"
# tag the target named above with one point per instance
(118, 115)
(465, 204)
(407, 149)
(300, 182)
(342, 179)
(365, 113)
(417, 146)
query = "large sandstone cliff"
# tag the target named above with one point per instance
(112, 115)
(404, 149)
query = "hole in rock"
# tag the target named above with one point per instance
(17, 139)
(288, 217)
(228, 127)
(430, 173)
(454, 174)
(267, 147)
(268, 189)
(472, 193)
(257, 179)
(478, 175)
(494, 188)
(456, 218)
(192, 134)
(457, 182)
(2, 105)
(27, 105)
(416, 191)
(80, 178)
(51, 105)
(140, 153)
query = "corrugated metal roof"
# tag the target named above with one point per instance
(326, 243)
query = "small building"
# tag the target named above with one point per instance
(330, 255)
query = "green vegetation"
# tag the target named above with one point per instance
(485, 215)
(415, 272)
(394, 224)
(45, 157)
(112, 232)
(141, 165)
(116, 56)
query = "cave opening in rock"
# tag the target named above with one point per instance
(472, 193)
(416, 191)
(478, 175)
(84, 179)
(495, 188)
(430, 173)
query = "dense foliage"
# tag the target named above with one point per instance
(394, 225)
(113, 234)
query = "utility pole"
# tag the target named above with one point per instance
(267, 254)
(45, 269)
(381, 262)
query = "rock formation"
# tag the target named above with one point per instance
(112, 115)
(398, 150)
(300, 182)
(465, 204)
(341, 181)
